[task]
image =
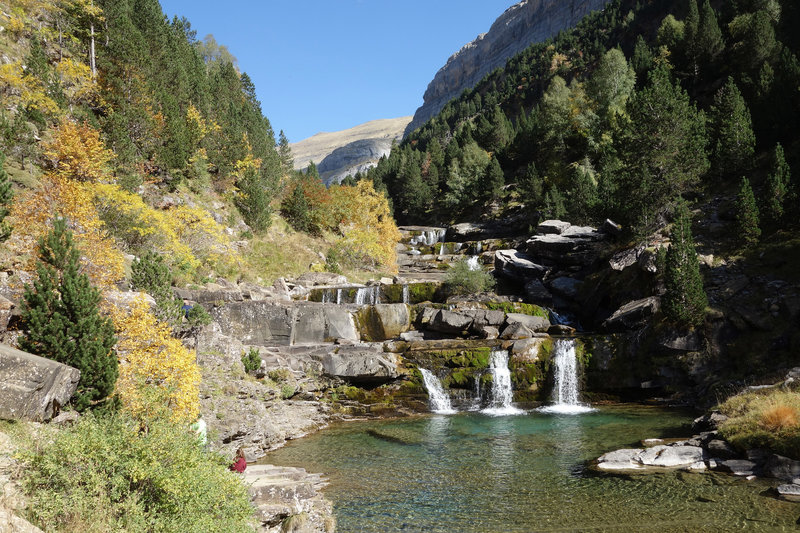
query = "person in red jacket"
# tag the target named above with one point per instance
(239, 463)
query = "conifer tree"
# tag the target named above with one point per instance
(777, 188)
(709, 40)
(285, 153)
(747, 215)
(733, 130)
(61, 318)
(691, 27)
(296, 211)
(6, 195)
(256, 190)
(685, 300)
(494, 180)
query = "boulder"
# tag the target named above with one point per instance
(789, 492)
(360, 364)
(450, 322)
(517, 266)
(536, 324)
(632, 314)
(566, 287)
(384, 321)
(576, 246)
(625, 258)
(672, 456)
(314, 324)
(537, 293)
(527, 350)
(738, 467)
(782, 468)
(487, 332)
(680, 340)
(561, 329)
(32, 387)
(279, 493)
(516, 331)
(709, 421)
(609, 227)
(625, 459)
(552, 227)
(721, 449)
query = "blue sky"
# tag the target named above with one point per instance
(328, 65)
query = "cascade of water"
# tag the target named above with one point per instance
(327, 296)
(502, 394)
(565, 391)
(478, 247)
(441, 249)
(472, 263)
(361, 295)
(375, 297)
(339, 296)
(440, 401)
(405, 293)
(457, 247)
(476, 402)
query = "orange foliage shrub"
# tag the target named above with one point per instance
(779, 417)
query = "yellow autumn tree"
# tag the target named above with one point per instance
(79, 160)
(157, 371)
(77, 152)
(369, 233)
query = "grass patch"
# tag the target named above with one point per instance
(767, 418)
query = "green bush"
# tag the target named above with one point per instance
(107, 474)
(251, 360)
(287, 391)
(461, 280)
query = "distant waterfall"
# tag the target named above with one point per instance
(502, 394)
(565, 390)
(428, 238)
(339, 296)
(439, 400)
(368, 295)
(472, 263)
(441, 249)
(405, 293)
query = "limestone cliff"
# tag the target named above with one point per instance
(521, 25)
(342, 153)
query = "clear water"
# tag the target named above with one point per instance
(476, 473)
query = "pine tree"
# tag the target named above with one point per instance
(685, 300)
(6, 195)
(256, 190)
(777, 188)
(285, 153)
(747, 215)
(691, 28)
(709, 37)
(296, 211)
(493, 181)
(733, 130)
(61, 318)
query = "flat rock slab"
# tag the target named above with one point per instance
(625, 459)
(281, 492)
(738, 467)
(553, 227)
(672, 456)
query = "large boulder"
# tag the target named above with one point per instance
(281, 492)
(517, 266)
(632, 314)
(552, 227)
(537, 324)
(32, 387)
(384, 321)
(451, 322)
(360, 364)
(672, 456)
(575, 245)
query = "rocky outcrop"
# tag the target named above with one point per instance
(521, 25)
(361, 365)
(32, 387)
(358, 156)
(289, 499)
(354, 147)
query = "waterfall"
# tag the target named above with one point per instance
(457, 247)
(502, 393)
(405, 293)
(478, 247)
(339, 296)
(327, 296)
(565, 390)
(472, 263)
(441, 249)
(368, 295)
(440, 401)
(476, 402)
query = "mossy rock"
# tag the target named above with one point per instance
(518, 307)
(422, 292)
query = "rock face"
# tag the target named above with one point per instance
(32, 387)
(521, 25)
(355, 148)
(358, 156)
